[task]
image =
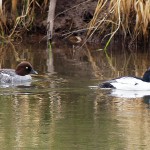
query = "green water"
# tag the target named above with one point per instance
(60, 109)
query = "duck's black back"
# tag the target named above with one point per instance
(146, 76)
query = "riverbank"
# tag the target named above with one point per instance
(79, 22)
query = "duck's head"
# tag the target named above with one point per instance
(25, 68)
(146, 76)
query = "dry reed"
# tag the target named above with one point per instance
(130, 17)
(16, 17)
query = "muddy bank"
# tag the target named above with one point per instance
(71, 20)
(71, 24)
(73, 16)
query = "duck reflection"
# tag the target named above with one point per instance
(146, 99)
(129, 94)
(21, 85)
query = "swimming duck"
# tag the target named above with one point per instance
(21, 74)
(129, 83)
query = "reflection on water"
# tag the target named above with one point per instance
(129, 94)
(60, 110)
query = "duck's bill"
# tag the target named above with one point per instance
(33, 72)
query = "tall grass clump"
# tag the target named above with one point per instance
(130, 18)
(16, 17)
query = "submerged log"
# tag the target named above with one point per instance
(50, 19)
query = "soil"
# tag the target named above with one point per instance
(71, 19)
(77, 16)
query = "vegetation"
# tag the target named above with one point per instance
(17, 17)
(130, 18)
(127, 17)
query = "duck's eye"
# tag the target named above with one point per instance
(27, 68)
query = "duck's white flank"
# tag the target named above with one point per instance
(6, 78)
(130, 83)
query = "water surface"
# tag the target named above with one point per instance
(63, 109)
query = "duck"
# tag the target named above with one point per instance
(129, 83)
(20, 74)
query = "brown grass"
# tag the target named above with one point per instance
(16, 16)
(129, 17)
